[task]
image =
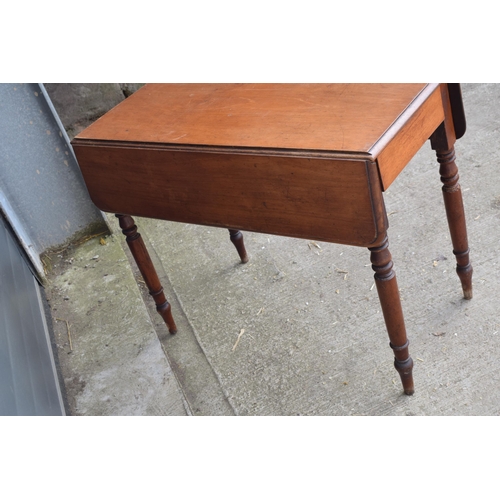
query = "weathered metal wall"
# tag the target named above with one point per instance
(28, 379)
(42, 193)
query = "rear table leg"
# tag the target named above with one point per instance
(145, 265)
(454, 206)
(237, 239)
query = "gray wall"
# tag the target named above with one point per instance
(42, 193)
(80, 104)
(28, 379)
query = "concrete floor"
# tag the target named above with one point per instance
(314, 340)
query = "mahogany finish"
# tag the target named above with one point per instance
(315, 198)
(146, 267)
(388, 291)
(453, 203)
(308, 161)
(442, 141)
(273, 116)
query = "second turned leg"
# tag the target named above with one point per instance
(454, 206)
(146, 267)
(388, 292)
(236, 237)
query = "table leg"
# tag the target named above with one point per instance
(387, 287)
(454, 206)
(237, 238)
(146, 267)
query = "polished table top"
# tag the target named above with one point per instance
(338, 120)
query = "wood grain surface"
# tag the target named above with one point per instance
(306, 161)
(326, 117)
(300, 197)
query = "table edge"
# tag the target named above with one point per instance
(195, 148)
(402, 119)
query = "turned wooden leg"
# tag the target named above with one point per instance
(453, 203)
(145, 265)
(387, 287)
(237, 238)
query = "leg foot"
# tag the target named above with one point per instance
(454, 206)
(388, 292)
(237, 238)
(405, 369)
(145, 265)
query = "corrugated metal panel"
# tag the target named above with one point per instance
(28, 378)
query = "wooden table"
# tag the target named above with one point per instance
(307, 161)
